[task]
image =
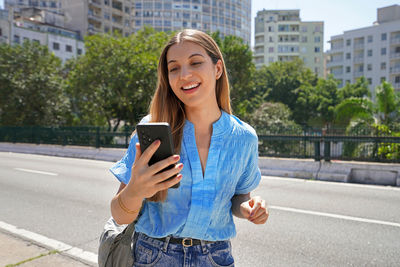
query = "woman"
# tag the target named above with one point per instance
(217, 169)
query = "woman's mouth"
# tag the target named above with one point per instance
(190, 87)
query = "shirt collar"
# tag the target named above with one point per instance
(219, 127)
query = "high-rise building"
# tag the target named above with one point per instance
(41, 26)
(86, 17)
(229, 17)
(372, 52)
(280, 35)
(50, 5)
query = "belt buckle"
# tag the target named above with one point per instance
(185, 244)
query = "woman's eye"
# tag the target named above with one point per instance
(173, 69)
(196, 63)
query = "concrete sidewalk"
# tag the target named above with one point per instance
(15, 251)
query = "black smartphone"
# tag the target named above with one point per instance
(152, 131)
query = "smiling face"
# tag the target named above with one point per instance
(192, 75)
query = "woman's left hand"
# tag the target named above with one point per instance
(255, 210)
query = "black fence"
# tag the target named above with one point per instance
(331, 147)
(316, 144)
(80, 136)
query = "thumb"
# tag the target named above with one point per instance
(245, 209)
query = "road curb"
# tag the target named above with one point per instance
(51, 244)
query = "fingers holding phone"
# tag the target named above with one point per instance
(155, 167)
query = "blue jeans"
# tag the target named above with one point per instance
(152, 252)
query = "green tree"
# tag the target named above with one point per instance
(31, 87)
(115, 79)
(386, 102)
(238, 59)
(284, 78)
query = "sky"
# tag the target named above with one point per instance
(338, 15)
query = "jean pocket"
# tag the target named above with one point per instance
(145, 254)
(220, 255)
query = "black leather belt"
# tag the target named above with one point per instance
(186, 242)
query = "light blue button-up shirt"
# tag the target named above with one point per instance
(201, 207)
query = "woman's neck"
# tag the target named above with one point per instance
(203, 118)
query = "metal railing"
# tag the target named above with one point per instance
(80, 136)
(317, 144)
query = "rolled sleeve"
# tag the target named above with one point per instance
(251, 177)
(123, 168)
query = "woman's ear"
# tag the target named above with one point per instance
(218, 69)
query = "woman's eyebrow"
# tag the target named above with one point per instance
(192, 55)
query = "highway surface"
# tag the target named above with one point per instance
(311, 223)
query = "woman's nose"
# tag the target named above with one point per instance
(185, 73)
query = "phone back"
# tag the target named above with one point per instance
(149, 132)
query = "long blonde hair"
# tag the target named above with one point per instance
(166, 106)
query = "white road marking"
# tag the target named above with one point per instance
(337, 216)
(34, 171)
(65, 249)
(301, 180)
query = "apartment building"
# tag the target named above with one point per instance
(34, 25)
(49, 5)
(89, 16)
(372, 52)
(280, 35)
(229, 17)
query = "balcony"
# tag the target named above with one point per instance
(395, 41)
(117, 5)
(95, 3)
(335, 62)
(394, 55)
(357, 74)
(358, 59)
(395, 70)
(337, 47)
(359, 46)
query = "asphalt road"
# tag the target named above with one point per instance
(311, 223)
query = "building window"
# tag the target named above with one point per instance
(53, 4)
(348, 42)
(270, 28)
(383, 51)
(56, 46)
(79, 51)
(397, 79)
(369, 53)
(369, 80)
(383, 79)
(369, 67)
(317, 49)
(304, 39)
(304, 29)
(348, 56)
(317, 39)
(316, 60)
(348, 69)
(1, 32)
(68, 48)
(369, 39)
(383, 66)
(271, 40)
(383, 37)
(270, 49)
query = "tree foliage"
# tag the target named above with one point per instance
(115, 79)
(238, 59)
(31, 86)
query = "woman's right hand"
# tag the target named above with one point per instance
(146, 180)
